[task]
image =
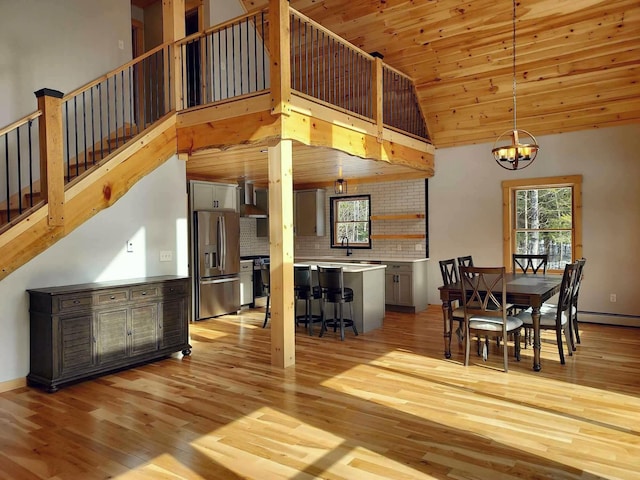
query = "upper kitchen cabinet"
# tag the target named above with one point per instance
(262, 202)
(214, 196)
(309, 213)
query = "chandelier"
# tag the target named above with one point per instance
(515, 149)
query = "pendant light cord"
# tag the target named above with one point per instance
(514, 65)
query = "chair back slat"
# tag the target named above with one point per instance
(483, 291)
(530, 263)
(566, 288)
(331, 279)
(449, 271)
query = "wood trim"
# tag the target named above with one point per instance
(398, 216)
(12, 384)
(508, 187)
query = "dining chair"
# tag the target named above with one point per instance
(266, 283)
(528, 264)
(449, 271)
(331, 281)
(560, 318)
(306, 292)
(550, 307)
(484, 293)
(574, 302)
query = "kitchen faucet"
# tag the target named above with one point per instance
(349, 252)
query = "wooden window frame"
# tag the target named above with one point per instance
(508, 211)
(335, 243)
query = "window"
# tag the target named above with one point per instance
(543, 216)
(350, 222)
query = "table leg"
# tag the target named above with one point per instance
(446, 307)
(535, 316)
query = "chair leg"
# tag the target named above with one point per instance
(323, 322)
(307, 311)
(516, 342)
(560, 348)
(266, 313)
(341, 322)
(505, 355)
(467, 344)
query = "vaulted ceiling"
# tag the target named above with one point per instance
(577, 61)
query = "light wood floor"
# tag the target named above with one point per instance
(382, 405)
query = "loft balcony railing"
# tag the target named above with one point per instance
(226, 62)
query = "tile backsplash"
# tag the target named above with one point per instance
(386, 198)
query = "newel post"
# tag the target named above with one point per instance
(280, 49)
(378, 94)
(173, 29)
(51, 153)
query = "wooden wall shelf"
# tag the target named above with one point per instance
(398, 236)
(397, 216)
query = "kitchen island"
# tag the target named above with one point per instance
(367, 282)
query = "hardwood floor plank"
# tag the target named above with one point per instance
(383, 405)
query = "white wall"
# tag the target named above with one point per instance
(153, 215)
(60, 45)
(465, 198)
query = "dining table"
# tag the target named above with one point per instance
(522, 289)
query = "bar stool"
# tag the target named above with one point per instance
(331, 282)
(266, 277)
(304, 291)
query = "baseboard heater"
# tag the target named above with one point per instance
(609, 318)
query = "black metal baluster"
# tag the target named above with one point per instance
(255, 53)
(8, 171)
(233, 56)
(264, 70)
(19, 168)
(101, 132)
(30, 164)
(75, 121)
(169, 73)
(66, 122)
(108, 117)
(205, 69)
(115, 107)
(84, 128)
(124, 122)
(93, 129)
(226, 58)
(131, 95)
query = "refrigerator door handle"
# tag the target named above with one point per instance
(219, 244)
(223, 261)
(220, 280)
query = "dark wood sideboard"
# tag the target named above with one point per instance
(80, 331)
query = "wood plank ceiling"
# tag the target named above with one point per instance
(578, 61)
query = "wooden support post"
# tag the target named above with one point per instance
(173, 29)
(283, 353)
(51, 154)
(378, 94)
(280, 53)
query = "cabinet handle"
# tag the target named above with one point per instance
(144, 293)
(112, 297)
(76, 302)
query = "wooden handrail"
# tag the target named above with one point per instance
(331, 34)
(112, 73)
(19, 123)
(220, 26)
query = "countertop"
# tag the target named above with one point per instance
(346, 267)
(349, 260)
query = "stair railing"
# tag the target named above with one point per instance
(226, 61)
(103, 115)
(19, 167)
(400, 106)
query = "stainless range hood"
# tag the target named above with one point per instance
(248, 207)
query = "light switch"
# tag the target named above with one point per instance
(129, 246)
(166, 255)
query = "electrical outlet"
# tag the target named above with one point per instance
(418, 247)
(129, 246)
(613, 298)
(166, 255)
(121, 44)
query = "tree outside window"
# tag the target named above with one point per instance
(542, 217)
(350, 223)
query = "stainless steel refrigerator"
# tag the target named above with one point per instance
(217, 262)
